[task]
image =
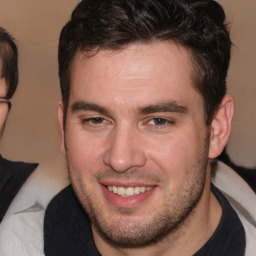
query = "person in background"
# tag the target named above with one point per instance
(25, 188)
(12, 174)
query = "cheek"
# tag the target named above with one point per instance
(83, 152)
(169, 155)
(3, 116)
(176, 155)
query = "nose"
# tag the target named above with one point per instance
(124, 150)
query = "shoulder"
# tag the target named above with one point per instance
(14, 173)
(12, 177)
(242, 198)
(21, 231)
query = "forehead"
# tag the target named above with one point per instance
(137, 71)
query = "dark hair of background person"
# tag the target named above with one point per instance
(8, 62)
(111, 25)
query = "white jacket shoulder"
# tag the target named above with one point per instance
(243, 200)
(21, 230)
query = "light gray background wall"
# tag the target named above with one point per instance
(32, 130)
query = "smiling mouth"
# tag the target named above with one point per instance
(130, 191)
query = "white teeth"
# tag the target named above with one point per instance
(121, 191)
(114, 189)
(137, 190)
(131, 191)
(143, 189)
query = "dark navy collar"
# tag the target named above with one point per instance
(229, 237)
(67, 229)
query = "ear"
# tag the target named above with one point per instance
(221, 126)
(60, 118)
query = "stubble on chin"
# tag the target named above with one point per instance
(170, 218)
(129, 232)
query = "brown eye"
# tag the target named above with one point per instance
(97, 120)
(93, 121)
(159, 121)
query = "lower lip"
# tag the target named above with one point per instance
(126, 202)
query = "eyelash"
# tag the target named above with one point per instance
(93, 120)
(99, 121)
(162, 122)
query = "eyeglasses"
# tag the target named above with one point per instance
(7, 101)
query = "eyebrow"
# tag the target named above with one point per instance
(172, 107)
(164, 107)
(86, 106)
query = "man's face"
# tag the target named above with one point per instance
(136, 141)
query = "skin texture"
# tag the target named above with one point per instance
(134, 119)
(3, 106)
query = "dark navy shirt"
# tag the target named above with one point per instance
(67, 229)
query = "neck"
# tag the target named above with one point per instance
(184, 241)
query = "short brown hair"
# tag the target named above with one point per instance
(198, 25)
